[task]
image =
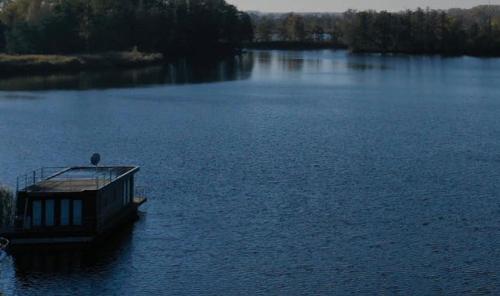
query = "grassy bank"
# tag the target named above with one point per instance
(28, 64)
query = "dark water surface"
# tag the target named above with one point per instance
(279, 173)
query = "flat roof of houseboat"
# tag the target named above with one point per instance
(72, 179)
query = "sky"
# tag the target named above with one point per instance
(342, 5)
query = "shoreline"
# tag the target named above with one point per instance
(35, 64)
(292, 45)
(39, 64)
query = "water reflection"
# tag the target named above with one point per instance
(291, 64)
(181, 72)
(313, 62)
(66, 259)
(277, 182)
(250, 65)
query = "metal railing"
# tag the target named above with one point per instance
(139, 191)
(25, 181)
(63, 176)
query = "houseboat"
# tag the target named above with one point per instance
(73, 205)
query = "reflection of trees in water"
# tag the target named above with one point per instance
(291, 64)
(264, 59)
(237, 68)
(290, 61)
(279, 60)
(364, 62)
(181, 72)
(264, 56)
(314, 65)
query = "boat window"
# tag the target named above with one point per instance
(65, 212)
(49, 212)
(77, 212)
(126, 192)
(130, 191)
(37, 213)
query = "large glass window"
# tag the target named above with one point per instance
(49, 212)
(37, 213)
(130, 191)
(126, 192)
(64, 212)
(77, 212)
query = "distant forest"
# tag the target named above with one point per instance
(473, 31)
(184, 27)
(176, 27)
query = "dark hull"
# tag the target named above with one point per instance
(23, 240)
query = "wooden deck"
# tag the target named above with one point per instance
(73, 185)
(140, 200)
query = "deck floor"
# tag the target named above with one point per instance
(76, 185)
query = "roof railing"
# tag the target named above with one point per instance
(28, 182)
(25, 181)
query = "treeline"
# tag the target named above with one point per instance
(473, 31)
(184, 27)
(87, 26)
(294, 27)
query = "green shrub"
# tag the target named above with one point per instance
(6, 206)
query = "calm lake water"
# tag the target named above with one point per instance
(276, 173)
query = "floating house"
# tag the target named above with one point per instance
(73, 204)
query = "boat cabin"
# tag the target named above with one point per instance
(74, 204)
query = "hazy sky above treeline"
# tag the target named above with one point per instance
(342, 5)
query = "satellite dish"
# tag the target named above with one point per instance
(95, 159)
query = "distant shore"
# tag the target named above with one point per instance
(293, 45)
(30, 64)
(299, 45)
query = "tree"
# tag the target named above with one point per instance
(245, 27)
(265, 29)
(2, 36)
(422, 31)
(293, 28)
(169, 26)
(6, 206)
(317, 33)
(59, 31)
